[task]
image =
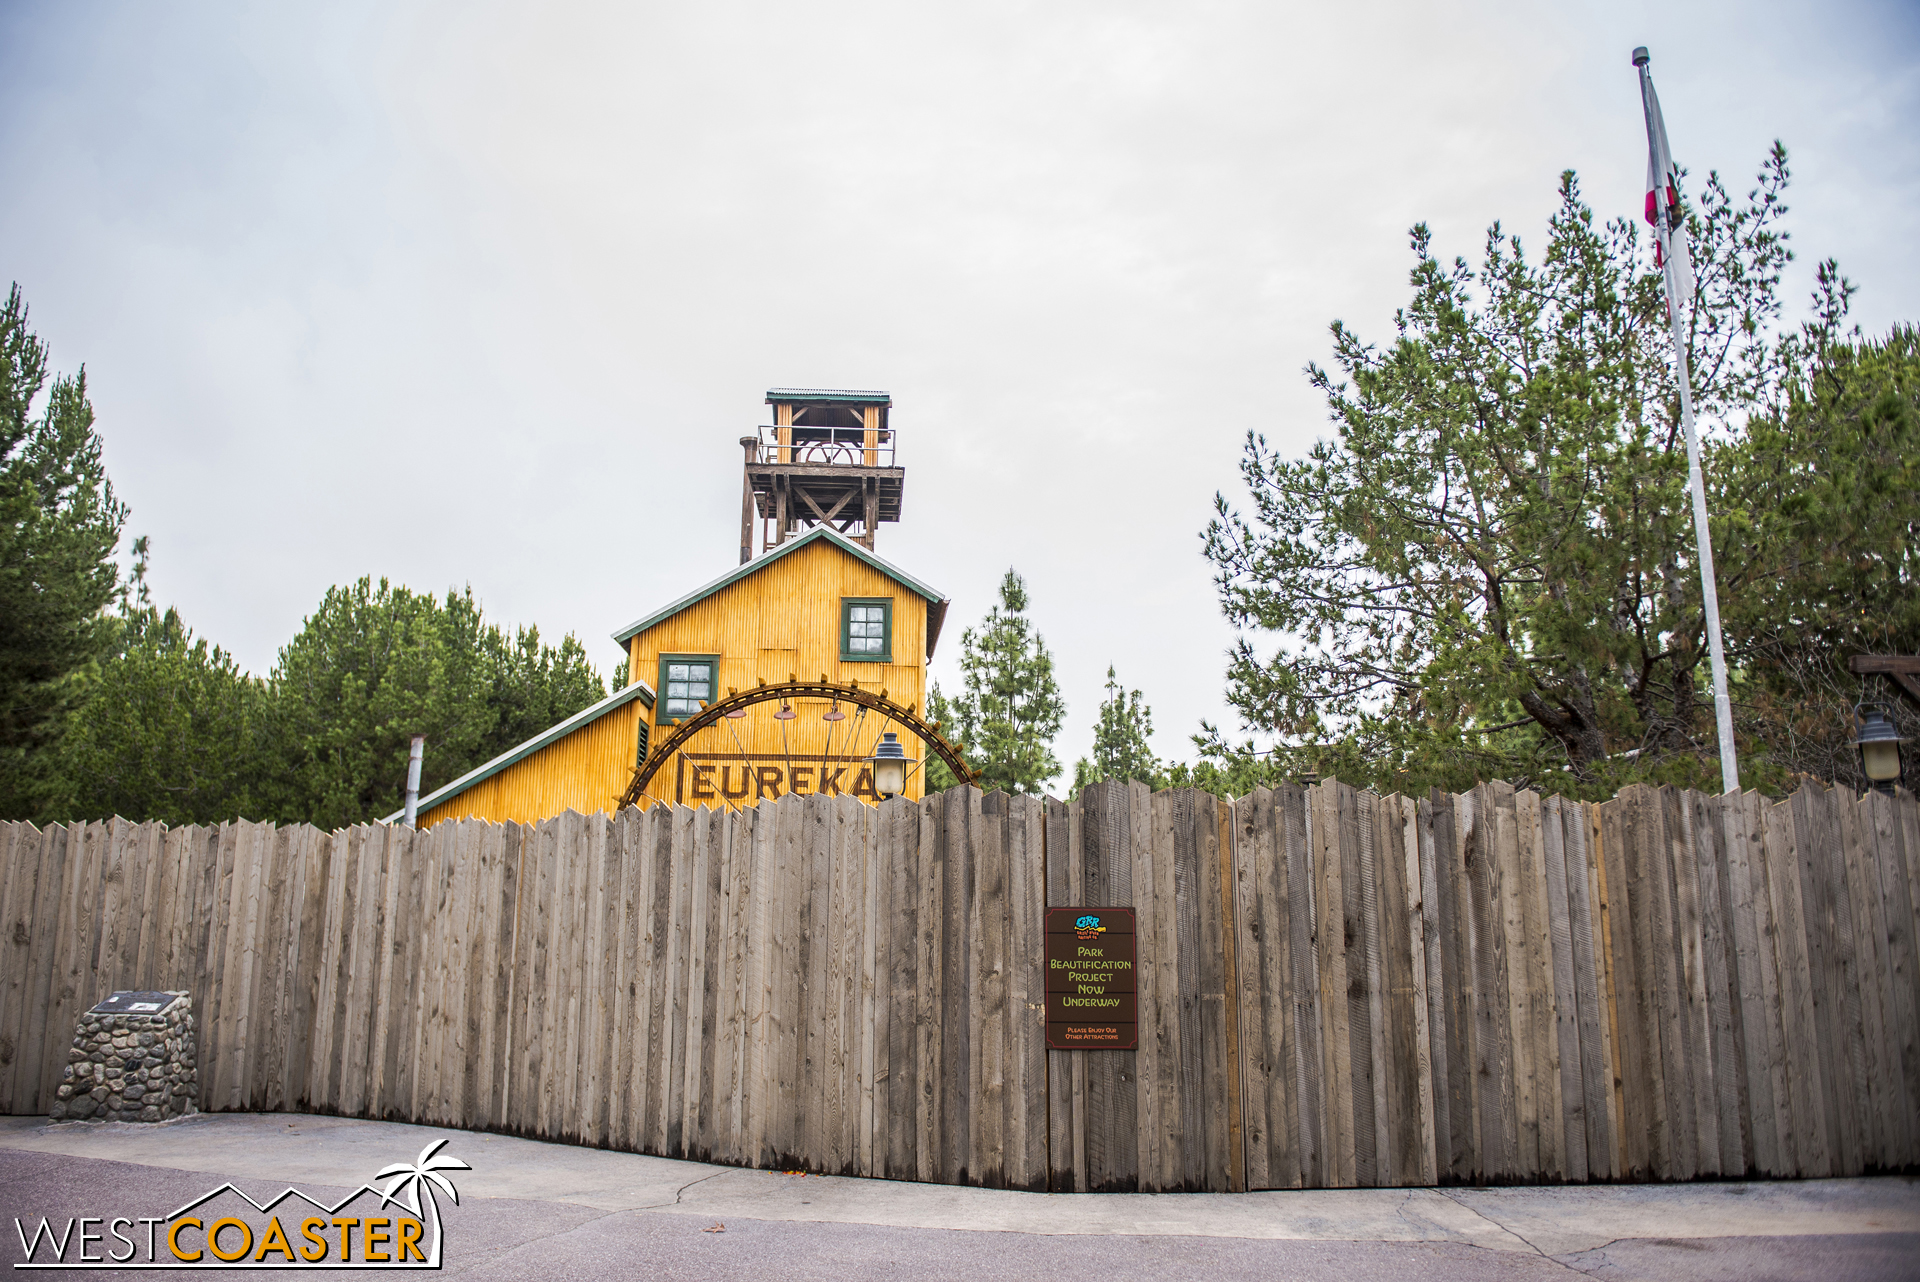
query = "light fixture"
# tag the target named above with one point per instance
(737, 713)
(1879, 744)
(834, 713)
(890, 762)
(786, 713)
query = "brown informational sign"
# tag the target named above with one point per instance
(1092, 989)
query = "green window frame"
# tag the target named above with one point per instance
(866, 629)
(681, 693)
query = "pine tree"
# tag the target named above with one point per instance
(374, 666)
(169, 731)
(1120, 741)
(1488, 570)
(59, 526)
(1009, 710)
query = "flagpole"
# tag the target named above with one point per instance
(1696, 481)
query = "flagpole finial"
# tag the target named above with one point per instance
(1640, 57)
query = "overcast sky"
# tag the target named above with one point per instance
(486, 294)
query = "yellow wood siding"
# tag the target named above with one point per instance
(585, 771)
(779, 622)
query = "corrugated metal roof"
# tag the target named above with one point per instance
(936, 600)
(793, 395)
(638, 690)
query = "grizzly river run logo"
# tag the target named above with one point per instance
(225, 1229)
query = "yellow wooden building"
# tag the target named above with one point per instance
(780, 676)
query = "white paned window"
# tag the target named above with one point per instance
(689, 684)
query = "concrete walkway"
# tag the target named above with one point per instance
(539, 1209)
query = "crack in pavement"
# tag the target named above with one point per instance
(1521, 1237)
(690, 1183)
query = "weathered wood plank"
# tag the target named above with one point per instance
(1157, 980)
(153, 911)
(1428, 880)
(540, 962)
(1360, 841)
(1064, 1127)
(43, 1022)
(1726, 1072)
(1454, 923)
(1525, 1098)
(1408, 1095)
(1689, 920)
(1649, 902)
(1219, 1024)
(1755, 985)
(900, 862)
(1888, 1119)
(1806, 1088)
(1849, 978)
(757, 985)
(731, 1062)
(271, 1015)
(1260, 988)
(875, 954)
(989, 920)
(306, 963)
(1543, 1000)
(1887, 864)
(1112, 1134)
(20, 925)
(932, 1084)
(1185, 1141)
(473, 1020)
(1027, 1141)
(707, 1073)
(336, 980)
(1812, 840)
(813, 891)
(1572, 1113)
(603, 1041)
(1494, 1033)
(1337, 1060)
(1591, 1009)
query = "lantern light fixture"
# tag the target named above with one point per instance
(1879, 745)
(890, 762)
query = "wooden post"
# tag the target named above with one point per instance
(748, 445)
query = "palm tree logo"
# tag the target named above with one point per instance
(411, 1179)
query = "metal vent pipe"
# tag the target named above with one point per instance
(413, 778)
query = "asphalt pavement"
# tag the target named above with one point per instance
(538, 1210)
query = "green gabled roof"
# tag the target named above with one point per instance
(936, 601)
(825, 396)
(619, 698)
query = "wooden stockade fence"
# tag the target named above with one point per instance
(1335, 988)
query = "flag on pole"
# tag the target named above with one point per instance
(1670, 254)
(1663, 200)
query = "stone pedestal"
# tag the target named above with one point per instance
(132, 1061)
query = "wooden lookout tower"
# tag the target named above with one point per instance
(826, 460)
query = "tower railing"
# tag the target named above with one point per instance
(842, 447)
